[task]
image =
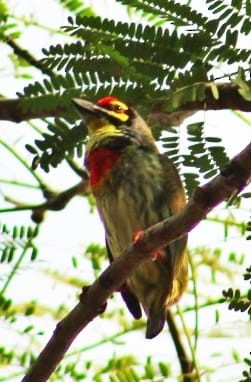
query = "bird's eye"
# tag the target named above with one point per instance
(115, 108)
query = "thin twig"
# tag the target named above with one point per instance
(196, 300)
(185, 363)
(11, 149)
(194, 374)
(19, 183)
(56, 201)
(25, 55)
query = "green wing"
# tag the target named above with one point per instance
(130, 299)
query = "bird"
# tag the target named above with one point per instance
(135, 186)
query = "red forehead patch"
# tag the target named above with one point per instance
(106, 100)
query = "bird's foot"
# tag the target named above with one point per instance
(157, 255)
(137, 236)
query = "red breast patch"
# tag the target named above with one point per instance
(100, 161)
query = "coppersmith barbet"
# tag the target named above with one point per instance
(135, 187)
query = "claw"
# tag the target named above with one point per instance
(159, 254)
(137, 236)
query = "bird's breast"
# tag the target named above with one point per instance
(131, 197)
(100, 162)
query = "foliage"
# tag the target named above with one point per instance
(15, 245)
(243, 304)
(141, 63)
(205, 154)
(235, 300)
(172, 56)
(77, 7)
(63, 143)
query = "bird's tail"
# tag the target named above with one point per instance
(155, 323)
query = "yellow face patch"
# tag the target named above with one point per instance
(118, 110)
(95, 124)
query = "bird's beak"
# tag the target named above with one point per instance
(92, 114)
(88, 109)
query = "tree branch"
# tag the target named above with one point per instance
(229, 98)
(12, 110)
(58, 201)
(55, 201)
(230, 181)
(25, 55)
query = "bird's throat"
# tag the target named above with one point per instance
(100, 162)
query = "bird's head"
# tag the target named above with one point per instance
(110, 118)
(113, 127)
(110, 112)
(106, 111)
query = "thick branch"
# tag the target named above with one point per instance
(11, 110)
(232, 180)
(229, 98)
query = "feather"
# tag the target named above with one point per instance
(129, 298)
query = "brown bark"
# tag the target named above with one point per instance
(229, 99)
